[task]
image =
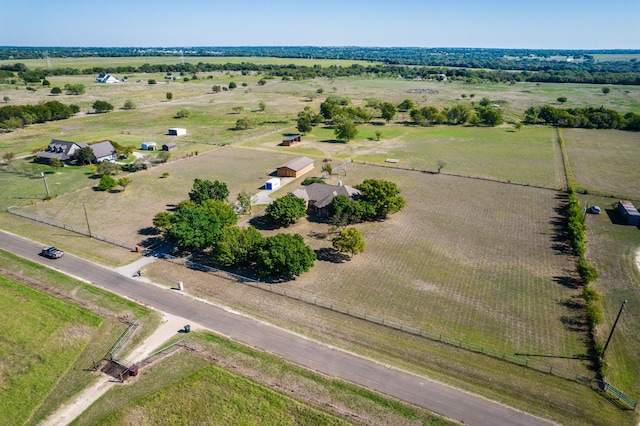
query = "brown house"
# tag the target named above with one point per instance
(295, 168)
(319, 195)
(290, 140)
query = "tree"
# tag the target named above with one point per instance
(74, 89)
(237, 109)
(262, 82)
(388, 111)
(310, 180)
(378, 134)
(284, 255)
(102, 107)
(124, 182)
(163, 156)
(518, 125)
(55, 163)
(107, 168)
(286, 210)
(106, 183)
(406, 105)
(151, 81)
(262, 106)
(244, 124)
(192, 227)
(562, 99)
(441, 165)
(216, 88)
(236, 245)
(6, 98)
(460, 114)
(162, 221)
(232, 85)
(207, 190)
(349, 241)
(304, 123)
(382, 195)
(606, 90)
(490, 116)
(128, 104)
(84, 156)
(244, 201)
(327, 168)
(183, 113)
(223, 211)
(169, 96)
(56, 91)
(345, 129)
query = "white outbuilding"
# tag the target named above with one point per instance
(272, 184)
(177, 131)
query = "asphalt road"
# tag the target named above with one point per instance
(444, 400)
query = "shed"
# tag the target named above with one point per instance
(149, 146)
(629, 212)
(272, 184)
(176, 131)
(295, 168)
(290, 140)
(169, 146)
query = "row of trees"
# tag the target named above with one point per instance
(207, 222)
(587, 117)
(13, 117)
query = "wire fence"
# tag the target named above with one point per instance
(417, 331)
(85, 232)
(113, 352)
(167, 351)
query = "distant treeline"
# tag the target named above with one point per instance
(586, 118)
(13, 117)
(558, 66)
(302, 72)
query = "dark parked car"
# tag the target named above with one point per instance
(52, 253)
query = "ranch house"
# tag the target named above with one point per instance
(319, 195)
(64, 150)
(295, 168)
(107, 78)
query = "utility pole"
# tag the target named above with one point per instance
(46, 186)
(86, 217)
(614, 327)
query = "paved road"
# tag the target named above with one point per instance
(436, 397)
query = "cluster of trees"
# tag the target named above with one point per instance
(207, 222)
(587, 117)
(484, 113)
(13, 117)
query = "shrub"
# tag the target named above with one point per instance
(587, 272)
(106, 183)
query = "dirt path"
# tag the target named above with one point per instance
(67, 413)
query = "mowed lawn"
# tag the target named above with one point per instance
(605, 161)
(42, 337)
(468, 258)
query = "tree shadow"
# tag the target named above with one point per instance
(263, 223)
(150, 230)
(332, 255)
(561, 238)
(568, 282)
(333, 141)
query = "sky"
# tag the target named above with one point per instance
(533, 24)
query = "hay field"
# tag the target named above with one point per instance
(605, 161)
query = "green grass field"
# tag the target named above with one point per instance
(42, 337)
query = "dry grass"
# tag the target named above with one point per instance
(605, 161)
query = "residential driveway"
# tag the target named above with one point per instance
(442, 399)
(264, 196)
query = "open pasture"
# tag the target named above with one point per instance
(605, 161)
(42, 337)
(530, 156)
(467, 258)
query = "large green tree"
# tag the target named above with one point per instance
(349, 241)
(236, 245)
(344, 128)
(204, 189)
(286, 210)
(192, 227)
(382, 195)
(388, 111)
(284, 255)
(225, 213)
(106, 183)
(102, 106)
(84, 156)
